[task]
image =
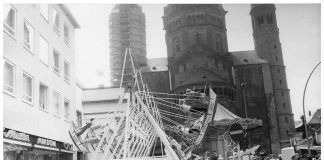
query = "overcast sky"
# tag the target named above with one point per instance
(299, 28)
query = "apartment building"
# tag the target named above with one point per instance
(39, 85)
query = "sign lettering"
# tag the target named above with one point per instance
(46, 142)
(16, 135)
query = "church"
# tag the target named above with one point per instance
(251, 84)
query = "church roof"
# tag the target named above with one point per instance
(246, 58)
(156, 65)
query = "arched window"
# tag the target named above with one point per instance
(176, 45)
(269, 18)
(260, 20)
(218, 42)
(182, 68)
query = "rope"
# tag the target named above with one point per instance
(200, 113)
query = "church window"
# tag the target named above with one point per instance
(269, 17)
(280, 81)
(276, 58)
(182, 68)
(274, 46)
(176, 44)
(284, 105)
(282, 93)
(224, 66)
(260, 20)
(220, 64)
(218, 42)
(286, 119)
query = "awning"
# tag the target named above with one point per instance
(224, 117)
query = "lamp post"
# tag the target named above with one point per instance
(305, 123)
(245, 109)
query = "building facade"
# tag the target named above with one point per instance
(126, 28)
(39, 82)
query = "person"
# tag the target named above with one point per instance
(84, 128)
(214, 156)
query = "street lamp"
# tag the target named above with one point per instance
(305, 123)
(245, 108)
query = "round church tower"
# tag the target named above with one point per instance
(196, 46)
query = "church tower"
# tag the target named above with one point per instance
(196, 42)
(268, 47)
(126, 28)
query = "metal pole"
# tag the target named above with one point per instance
(245, 108)
(305, 123)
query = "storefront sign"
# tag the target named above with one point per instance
(46, 142)
(24, 137)
(11, 134)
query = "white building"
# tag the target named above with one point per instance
(39, 89)
(98, 103)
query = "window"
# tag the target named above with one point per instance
(176, 43)
(66, 34)
(56, 66)
(260, 20)
(66, 109)
(282, 93)
(182, 68)
(269, 18)
(218, 42)
(9, 24)
(79, 118)
(44, 10)
(43, 50)
(66, 71)
(56, 21)
(286, 119)
(284, 105)
(280, 81)
(43, 96)
(278, 70)
(27, 88)
(56, 103)
(276, 58)
(28, 36)
(9, 77)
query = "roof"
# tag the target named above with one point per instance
(316, 118)
(156, 65)
(101, 94)
(246, 58)
(69, 15)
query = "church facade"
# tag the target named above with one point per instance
(251, 83)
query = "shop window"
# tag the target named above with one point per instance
(56, 58)
(9, 77)
(79, 118)
(27, 88)
(56, 21)
(66, 71)
(56, 103)
(43, 50)
(43, 96)
(66, 34)
(28, 36)
(9, 24)
(66, 109)
(44, 11)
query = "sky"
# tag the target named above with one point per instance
(299, 29)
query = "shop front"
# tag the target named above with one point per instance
(23, 146)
